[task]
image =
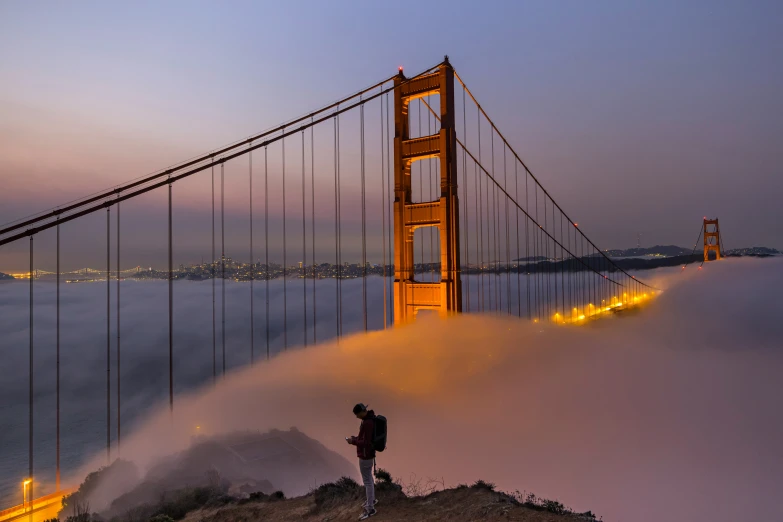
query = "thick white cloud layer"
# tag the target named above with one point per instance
(668, 413)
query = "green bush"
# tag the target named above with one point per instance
(481, 484)
(343, 489)
(383, 476)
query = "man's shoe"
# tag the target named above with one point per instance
(368, 514)
(364, 506)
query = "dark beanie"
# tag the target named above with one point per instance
(359, 408)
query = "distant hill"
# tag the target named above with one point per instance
(674, 251)
(241, 462)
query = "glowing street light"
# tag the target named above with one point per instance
(24, 492)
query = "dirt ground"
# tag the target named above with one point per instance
(464, 504)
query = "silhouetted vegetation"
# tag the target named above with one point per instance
(531, 501)
(76, 506)
(381, 475)
(481, 484)
(340, 491)
(260, 496)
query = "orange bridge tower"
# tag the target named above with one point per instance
(711, 239)
(409, 295)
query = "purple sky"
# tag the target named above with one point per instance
(637, 118)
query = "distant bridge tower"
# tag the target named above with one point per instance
(711, 238)
(411, 296)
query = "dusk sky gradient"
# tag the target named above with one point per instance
(637, 117)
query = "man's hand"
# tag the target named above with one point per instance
(351, 440)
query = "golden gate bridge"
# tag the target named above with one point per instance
(465, 227)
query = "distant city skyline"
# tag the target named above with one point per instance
(326, 269)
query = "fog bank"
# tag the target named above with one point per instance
(666, 413)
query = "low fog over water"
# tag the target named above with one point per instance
(669, 413)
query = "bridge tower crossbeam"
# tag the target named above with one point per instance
(410, 295)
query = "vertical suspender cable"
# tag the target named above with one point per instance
(493, 245)
(582, 272)
(266, 248)
(527, 248)
(508, 238)
(553, 263)
(577, 274)
(339, 236)
(536, 255)
(212, 265)
(495, 223)
(592, 276)
(30, 379)
(548, 265)
(383, 219)
(304, 242)
(223, 264)
(119, 410)
(364, 217)
(498, 239)
(108, 335)
(479, 257)
(557, 268)
(588, 277)
(285, 263)
(557, 265)
(585, 275)
(336, 238)
(562, 269)
(491, 238)
(480, 223)
(312, 220)
(580, 278)
(542, 272)
(252, 263)
(490, 246)
(516, 198)
(171, 312)
(57, 305)
(389, 206)
(571, 269)
(545, 253)
(465, 195)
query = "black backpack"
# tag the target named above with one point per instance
(379, 433)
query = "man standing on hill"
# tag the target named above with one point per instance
(366, 453)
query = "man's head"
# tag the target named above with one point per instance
(360, 410)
